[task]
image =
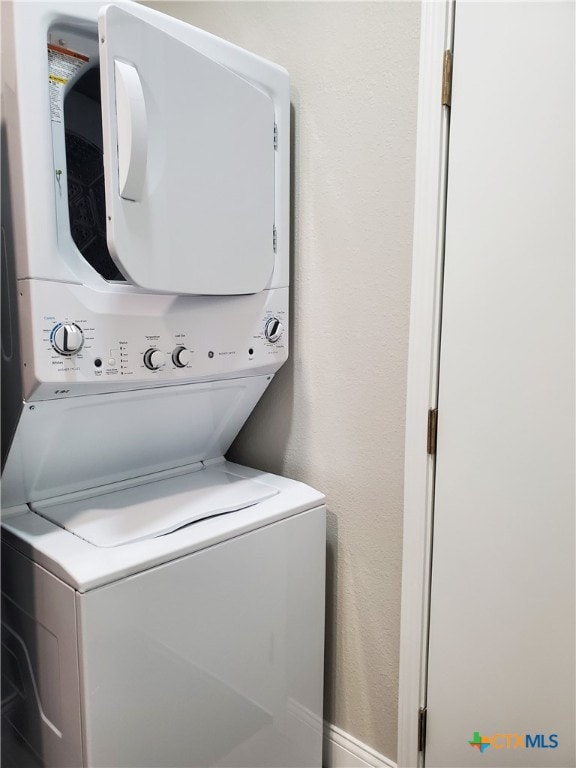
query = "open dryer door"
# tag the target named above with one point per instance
(188, 159)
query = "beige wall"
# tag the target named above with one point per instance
(334, 415)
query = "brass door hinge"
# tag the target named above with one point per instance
(432, 431)
(422, 712)
(447, 80)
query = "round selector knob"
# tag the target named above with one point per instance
(181, 357)
(67, 338)
(154, 359)
(273, 329)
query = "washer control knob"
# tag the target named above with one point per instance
(180, 357)
(67, 338)
(154, 359)
(273, 330)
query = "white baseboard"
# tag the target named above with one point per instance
(344, 751)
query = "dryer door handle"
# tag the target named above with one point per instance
(132, 124)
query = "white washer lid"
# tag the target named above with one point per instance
(155, 508)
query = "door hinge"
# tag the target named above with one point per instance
(447, 80)
(432, 431)
(275, 136)
(274, 238)
(422, 712)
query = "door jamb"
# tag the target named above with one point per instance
(423, 358)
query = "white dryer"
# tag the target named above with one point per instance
(161, 606)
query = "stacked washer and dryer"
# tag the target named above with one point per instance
(160, 605)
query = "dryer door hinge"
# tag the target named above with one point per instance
(422, 712)
(275, 136)
(432, 431)
(274, 238)
(447, 79)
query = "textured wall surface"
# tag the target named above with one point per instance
(334, 415)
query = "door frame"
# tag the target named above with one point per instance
(437, 23)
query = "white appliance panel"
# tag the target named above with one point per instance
(40, 663)
(72, 444)
(218, 662)
(193, 338)
(189, 168)
(81, 564)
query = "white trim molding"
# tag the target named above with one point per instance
(425, 314)
(341, 750)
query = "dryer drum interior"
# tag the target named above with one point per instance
(85, 174)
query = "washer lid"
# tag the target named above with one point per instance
(155, 508)
(188, 160)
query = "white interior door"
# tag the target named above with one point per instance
(502, 650)
(189, 161)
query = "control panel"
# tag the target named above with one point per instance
(83, 342)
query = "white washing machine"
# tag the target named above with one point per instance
(160, 606)
(132, 639)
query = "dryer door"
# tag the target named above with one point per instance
(188, 157)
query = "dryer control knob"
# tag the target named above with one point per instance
(273, 330)
(154, 359)
(181, 357)
(67, 338)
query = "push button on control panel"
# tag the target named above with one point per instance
(67, 339)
